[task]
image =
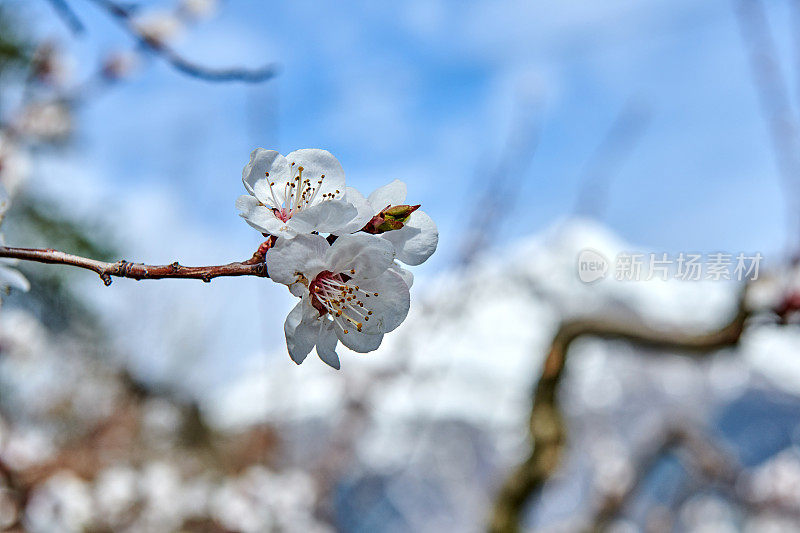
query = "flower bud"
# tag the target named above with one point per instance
(391, 218)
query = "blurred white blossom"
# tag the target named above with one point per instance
(46, 121)
(120, 64)
(199, 9)
(15, 167)
(158, 26)
(62, 503)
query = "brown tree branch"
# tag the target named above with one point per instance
(20, 494)
(254, 266)
(547, 426)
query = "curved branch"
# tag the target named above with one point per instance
(179, 63)
(124, 269)
(547, 427)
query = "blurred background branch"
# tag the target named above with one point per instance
(627, 130)
(70, 18)
(548, 432)
(154, 42)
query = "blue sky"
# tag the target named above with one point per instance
(426, 91)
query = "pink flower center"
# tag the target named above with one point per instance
(298, 193)
(282, 214)
(335, 294)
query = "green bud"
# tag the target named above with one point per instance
(388, 225)
(391, 218)
(399, 213)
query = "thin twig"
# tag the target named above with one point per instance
(501, 184)
(139, 271)
(547, 426)
(773, 94)
(66, 14)
(125, 18)
(627, 130)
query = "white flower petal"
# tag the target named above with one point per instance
(393, 193)
(323, 217)
(416, 241)
(367, 255)
(302, 254)
(265, 223)
(255, 179)
(301, 332)
(317, 163)
(246, 203)
(326, 344)
(390, 307)
(359, 341)
(364, 213)
(261, 217)
(407, 275)
(298, 289)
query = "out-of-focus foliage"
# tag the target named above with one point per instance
(35, 220)
(42, 223)
(15, 48)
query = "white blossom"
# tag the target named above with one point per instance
(62, 503)
(300, 193)
(349, 293)
(46, 121)
(15, 166)
(158, 26)
(120, 64)
(199, 9)
(418, 237)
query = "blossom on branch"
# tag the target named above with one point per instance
(412, 232)
(303, 192)
(350, 293)
(158, 26)
(351, 289)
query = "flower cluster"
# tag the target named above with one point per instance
(351, 287)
